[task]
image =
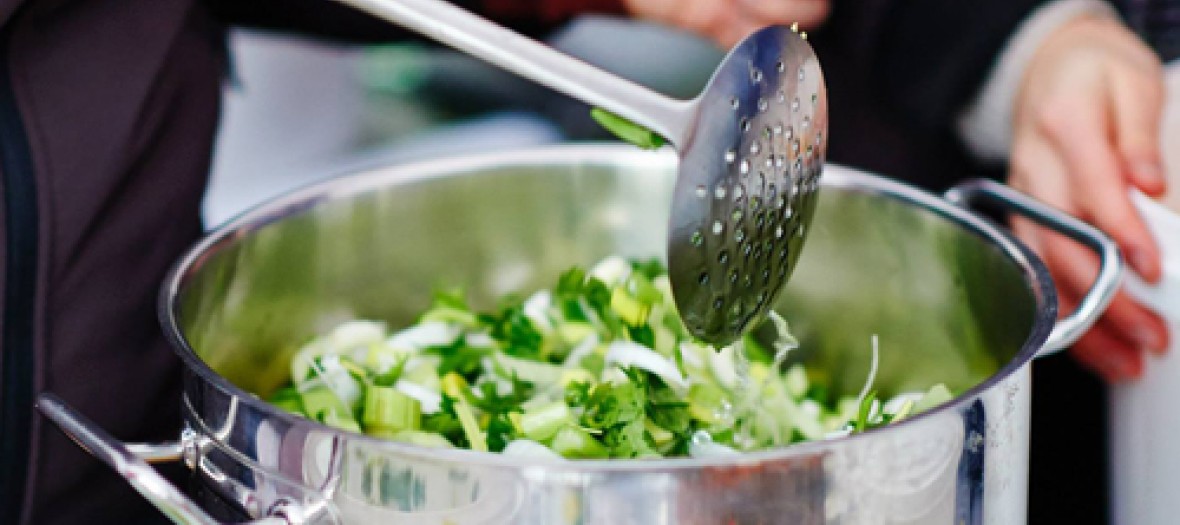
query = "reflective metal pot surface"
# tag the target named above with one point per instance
(952, 297)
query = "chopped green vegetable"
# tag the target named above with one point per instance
(627, 130)
(599, 366)
(388, 411)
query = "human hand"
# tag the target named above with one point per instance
(1086, 130)
(729, 21)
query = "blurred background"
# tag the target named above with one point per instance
(300, 111)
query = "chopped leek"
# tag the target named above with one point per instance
(597, 367)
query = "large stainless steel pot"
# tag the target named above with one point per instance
(953, 297)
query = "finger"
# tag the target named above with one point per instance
(1078, 134)
(1137, 101)
(1110, 356)
(1103, 350)
(734, 31)
(1038, 170)
(1074, 269)
(807, 13)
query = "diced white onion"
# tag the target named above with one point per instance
(427, 398)
(612, 270)
(536, 309)
(895, 404)
(690, 353)
(480, 340)
(628, 353)
(724, 364)
(355, 334)
(333, 375)
(425, 335)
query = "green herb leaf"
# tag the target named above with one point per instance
(500, 433)
(511, 327)
(460, 358)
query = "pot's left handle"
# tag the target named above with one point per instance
(1110, 271)
(132, 466)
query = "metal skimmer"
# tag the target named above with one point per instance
(751, 147)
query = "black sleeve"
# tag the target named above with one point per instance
(334, 21)
(934, 55)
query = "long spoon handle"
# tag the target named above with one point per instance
(535, 61)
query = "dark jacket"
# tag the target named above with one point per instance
(899, 73)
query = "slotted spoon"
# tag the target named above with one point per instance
(751, 151)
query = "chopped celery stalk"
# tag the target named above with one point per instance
(456, 387)
(388, 410)
(658, 434)
(937, 395)
(341, 420)
(573, 333)
(322, 400)
(420, 438)
(575, 443)
(542, 423)
(627, 130)
(528, 370)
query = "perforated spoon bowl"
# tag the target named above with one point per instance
(751, 151)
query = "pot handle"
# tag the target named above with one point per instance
(131, 462)
(1110, 272)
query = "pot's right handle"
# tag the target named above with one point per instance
(1110, 271)
(149, 483)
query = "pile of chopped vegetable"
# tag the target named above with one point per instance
(600, 366)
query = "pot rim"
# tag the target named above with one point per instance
(1035, 272)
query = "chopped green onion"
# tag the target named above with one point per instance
(627, 130)
(600, 366)
(542, 423)
(575, 443)
(390, 411)
(420, 438)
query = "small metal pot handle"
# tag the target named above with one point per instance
(1110, 272)
(131, 462)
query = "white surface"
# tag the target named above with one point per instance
(1145, 415)
(296, 115)
(296, 103)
